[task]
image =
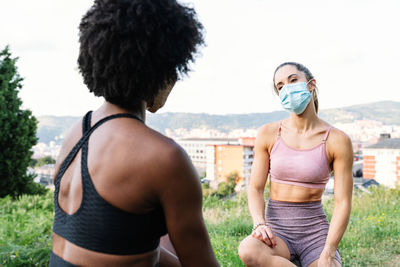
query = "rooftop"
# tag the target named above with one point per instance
(392, 143)
(209, 139)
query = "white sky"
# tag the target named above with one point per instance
(351, 46)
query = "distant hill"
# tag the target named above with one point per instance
(51, 127)
(223, 123)
(387, 112)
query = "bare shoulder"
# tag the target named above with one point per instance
(266, 134)
(269, 129)
(168, 152)
(148, 147)
(339, 144)
(174, 174)
(164, 149)
(339, 138)
(173, 159)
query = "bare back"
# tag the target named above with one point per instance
(136, 170)
(116, 162)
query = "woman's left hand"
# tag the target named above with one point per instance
(326, 259)
(325, 262)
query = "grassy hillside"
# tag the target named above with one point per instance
(372, 237)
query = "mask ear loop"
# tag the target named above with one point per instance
(314, 92)
(309, 82)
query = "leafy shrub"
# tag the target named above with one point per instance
(25, 232)
(207, 190)
(44, 161)
(225, 189)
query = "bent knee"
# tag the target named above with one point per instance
(247, 252)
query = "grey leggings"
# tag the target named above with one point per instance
(302, 226)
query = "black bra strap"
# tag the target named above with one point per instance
(83, 139)
(86, 122)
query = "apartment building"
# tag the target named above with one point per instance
(224, 159)
(197, 149)
(381, 161)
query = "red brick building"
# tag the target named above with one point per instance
(382, 162)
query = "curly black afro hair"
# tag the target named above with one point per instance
(131, 49)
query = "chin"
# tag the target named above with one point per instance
(153, 109)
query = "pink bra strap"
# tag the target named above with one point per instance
(280, 126)
(327, 133)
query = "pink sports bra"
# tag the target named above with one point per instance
(302, 167)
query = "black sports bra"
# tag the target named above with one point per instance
(97, 225)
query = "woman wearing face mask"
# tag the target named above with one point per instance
(299, 153)
(119, 185)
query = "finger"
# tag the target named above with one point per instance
(271, 237)
(259, 235)
(256, 234)
(265, 238)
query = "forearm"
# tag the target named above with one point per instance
(338, 225)
(256, 205)
(168, 259)
(202, 254)
(192, 243)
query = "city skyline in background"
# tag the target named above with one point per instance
(350, 46)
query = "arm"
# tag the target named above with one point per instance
(181, 199)
(342, 153)
(258, 179)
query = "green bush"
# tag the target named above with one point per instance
(205, 186)
(35, 188)
(44, 161)
(225, 189)
(207, 190)
(25, 232)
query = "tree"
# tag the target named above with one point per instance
(227, 187)
(17, 132)
(44, 161)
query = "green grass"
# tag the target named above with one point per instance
(25, 229)
(372, 237)
(373, 234)
(228, 222)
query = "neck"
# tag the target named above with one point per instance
(305, 121)
(108, 109)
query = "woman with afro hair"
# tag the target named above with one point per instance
(119, 185)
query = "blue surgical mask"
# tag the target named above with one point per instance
(295, 97)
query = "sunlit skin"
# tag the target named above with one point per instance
(136, 171)
(302, 131)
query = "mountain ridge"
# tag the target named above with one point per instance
(51, 128)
